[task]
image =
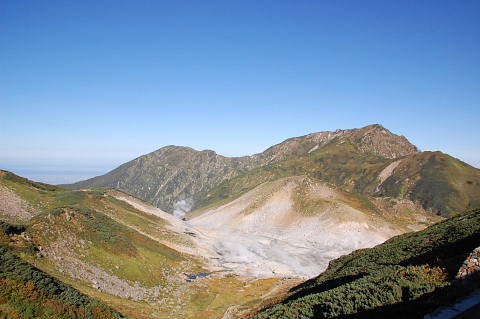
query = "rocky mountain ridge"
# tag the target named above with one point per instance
(176, 174)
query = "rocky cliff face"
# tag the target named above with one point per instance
(470, 267)
(172, 177)
(175, 178)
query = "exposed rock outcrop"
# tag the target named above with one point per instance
(13, 207)
(469, 272)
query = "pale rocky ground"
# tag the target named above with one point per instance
(468, 275)
(13, 207)
(272, 239)
(67, 261)
(387, 171)
(261, 235)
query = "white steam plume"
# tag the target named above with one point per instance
(182, 207)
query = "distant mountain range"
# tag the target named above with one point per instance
(369, 161)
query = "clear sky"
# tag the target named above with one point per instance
(88, 85)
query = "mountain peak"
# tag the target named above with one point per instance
(372, 139)
(375, 126)
(380, 141)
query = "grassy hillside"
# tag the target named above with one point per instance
(100, 245)
(439, 182)
(113, 252)
(406, 277)
(28, 292)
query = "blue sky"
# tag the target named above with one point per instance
(88, 85)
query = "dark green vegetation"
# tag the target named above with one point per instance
(169, 175)
(108, 246)
(9, 229)
(406, 277)
(350, 159)
(27, 292)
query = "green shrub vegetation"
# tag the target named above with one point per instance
(406, 277)
(27, 292)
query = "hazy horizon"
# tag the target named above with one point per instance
(65, 173)
(86, 86)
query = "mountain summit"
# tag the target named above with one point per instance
(372, 139)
